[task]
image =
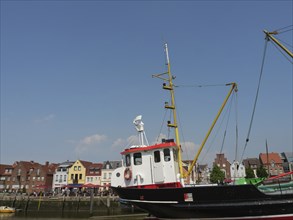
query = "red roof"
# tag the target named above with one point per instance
(275, 157)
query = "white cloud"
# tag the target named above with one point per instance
(132, 140)
(120, 142)
(159, 138)
(124, 143)
(45, 119)
(93, 139)
(89, 144)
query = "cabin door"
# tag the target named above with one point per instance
(158, 168)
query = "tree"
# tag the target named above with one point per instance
(249, 173)
(217, 175)
(261, 172)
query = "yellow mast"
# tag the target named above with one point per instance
(170, 87)
(269, 35)
(233, 88)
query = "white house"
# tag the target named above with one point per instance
(60, 176)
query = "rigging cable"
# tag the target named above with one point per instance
(256, 98)
(216, 134)
(236, 116)
(279, 30)
(160, 132)
(225, 132)
(291, 61)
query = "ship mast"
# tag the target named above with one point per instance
(170, 86)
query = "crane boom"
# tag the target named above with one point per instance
(269, 36)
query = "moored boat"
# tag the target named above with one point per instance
(6, 209)
(152, 178)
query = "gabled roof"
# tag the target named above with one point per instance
(268, 158)
(251, 161)
(86, 164)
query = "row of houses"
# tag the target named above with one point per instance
(274, 164)
(32, 177)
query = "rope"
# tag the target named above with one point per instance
(230, 106)
(256, 98)
(279, 30)
(164, 119)
(216, 134)
(281, 51)
(200, 86)
(236, 116)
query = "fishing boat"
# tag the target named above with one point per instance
(152, 178)
(6, 209)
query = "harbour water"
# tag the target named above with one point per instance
(115, 217)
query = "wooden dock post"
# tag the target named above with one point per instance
(92, 201)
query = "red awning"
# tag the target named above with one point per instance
(90, 185)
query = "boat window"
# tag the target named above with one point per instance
(137, 158)
(128, 163)
(157, 156)
(167, 155)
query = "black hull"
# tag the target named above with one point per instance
(234, 202)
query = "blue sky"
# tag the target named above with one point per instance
(74, 74)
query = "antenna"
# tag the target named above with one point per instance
(140, 129)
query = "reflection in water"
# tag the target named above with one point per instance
(140, 216)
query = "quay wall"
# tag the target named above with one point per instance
(78, 206)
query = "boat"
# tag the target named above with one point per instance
(6, 209)
(152, 178)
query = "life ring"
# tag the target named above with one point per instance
(127, 174)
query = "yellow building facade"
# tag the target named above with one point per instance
(77, 172)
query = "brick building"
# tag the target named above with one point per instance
(29, 177)
(272, 162)
(224, 165)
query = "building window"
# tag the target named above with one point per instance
(110, 174)
(105, 176)
(56, 180)
(79, 168)
(75, 168)
(38, 171)
(80, 176)
(157, 157)
(167, 155)
(65, 177)
(72, 176)
(137, 158)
